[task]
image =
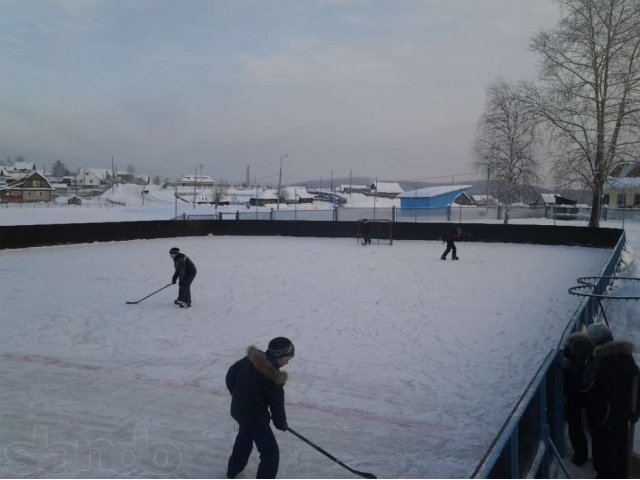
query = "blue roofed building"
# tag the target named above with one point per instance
(432, 197)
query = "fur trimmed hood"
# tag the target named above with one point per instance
(265, 367)
(613, 348)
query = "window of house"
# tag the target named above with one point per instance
(636, 199)
(621, 201)
(605, 200)
(36, 183)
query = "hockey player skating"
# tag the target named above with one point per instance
(185, 271)
(451, 246)
(256, 385)
(366, 232)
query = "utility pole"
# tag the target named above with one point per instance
(195, 175)
(280, 179)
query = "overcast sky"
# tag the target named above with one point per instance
(391, 88)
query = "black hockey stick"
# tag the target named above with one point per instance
(138, 301)
(362, 474)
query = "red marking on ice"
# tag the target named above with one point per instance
(42, 360)
(353, 413)
(339, 412)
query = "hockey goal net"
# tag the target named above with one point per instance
(381, 231)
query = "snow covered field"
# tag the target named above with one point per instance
(405, 364)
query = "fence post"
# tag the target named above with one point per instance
(448, 212)
(271, 214)
(557, 413)
(237, 214)
(512, 455)
(335, 214)
(542, 421)
(393, 213)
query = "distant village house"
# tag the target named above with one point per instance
(32, 188)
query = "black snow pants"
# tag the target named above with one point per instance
(184, 289)
(265, 443)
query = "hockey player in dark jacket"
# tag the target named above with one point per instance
(611, 381)
(451, 246)
(256, 385)
(185, 271)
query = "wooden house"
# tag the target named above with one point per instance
(32, 188)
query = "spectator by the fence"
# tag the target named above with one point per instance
(611, 380)
(577, 350)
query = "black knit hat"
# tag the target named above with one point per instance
(281, 347)
(599, 334)
(174, 250)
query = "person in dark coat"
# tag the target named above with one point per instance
(366, 232)
(611, 380)
(577, 351)
(185, 271)
(256, 385)
(451, 246)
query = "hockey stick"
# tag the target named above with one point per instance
(138, 301)
(362, 474)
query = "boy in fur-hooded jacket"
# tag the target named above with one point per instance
(256, 385)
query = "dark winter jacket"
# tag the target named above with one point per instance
(185, 269)
(256, 385)
(454, 235)
(577, 351)
(609, 378)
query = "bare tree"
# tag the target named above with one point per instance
(59, 169)
(506, 140)
(589, 93)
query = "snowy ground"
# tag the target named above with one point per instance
(405, 366)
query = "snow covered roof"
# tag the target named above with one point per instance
(197, 178)
(481, 198)
(101, 173)
(300, 192)
(22, 166)
(266, 194)
(389, 187)
(626, 182)
(433, 191)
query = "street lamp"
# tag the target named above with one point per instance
(282, 157)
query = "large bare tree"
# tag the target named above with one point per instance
(506, 139)
(589, 91)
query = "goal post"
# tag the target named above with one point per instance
(381, 231)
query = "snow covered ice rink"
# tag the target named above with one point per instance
(406, 366)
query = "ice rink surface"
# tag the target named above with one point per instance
(406, 365)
